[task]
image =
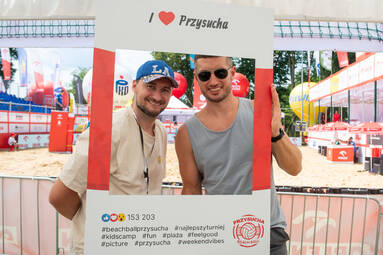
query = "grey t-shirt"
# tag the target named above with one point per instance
(224, 159)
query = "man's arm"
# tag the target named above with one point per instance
(190, 176)
(287, 154)
(66, 201)
(57, 102)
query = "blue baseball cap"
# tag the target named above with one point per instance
(156, 69)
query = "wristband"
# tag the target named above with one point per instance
(278, 137)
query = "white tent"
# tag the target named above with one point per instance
(175, 103)
(177, 111)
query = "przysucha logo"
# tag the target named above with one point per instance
(248, 230)
(168, 17)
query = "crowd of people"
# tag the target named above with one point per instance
(214, 147)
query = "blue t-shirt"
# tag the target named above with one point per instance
(59, 98)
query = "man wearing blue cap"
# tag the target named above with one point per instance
(59, 100)
(138, 150)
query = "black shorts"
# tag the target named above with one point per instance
(278, 239)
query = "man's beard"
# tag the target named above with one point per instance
(216, 100)
(147, 112)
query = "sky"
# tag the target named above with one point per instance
(73, 58)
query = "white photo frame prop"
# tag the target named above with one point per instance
(230, 224)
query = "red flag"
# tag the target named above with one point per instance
(342, 58)
(38, 72)
(6, 61)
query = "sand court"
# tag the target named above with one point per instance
(317, 171)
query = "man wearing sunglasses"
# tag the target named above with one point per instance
(215, 147)
(138, 150)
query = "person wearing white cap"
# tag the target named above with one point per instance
(138, 150)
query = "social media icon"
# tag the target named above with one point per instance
(105, 217)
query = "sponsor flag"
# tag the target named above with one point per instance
(309, 60)
(191, 58)
(317, 62)
(6, 61)
(2, 87)
(35, 67)
(23, 71)
(38, 72)
(326, 59)
(342, 58)
(57, 68)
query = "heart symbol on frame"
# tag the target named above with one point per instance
(166, 17)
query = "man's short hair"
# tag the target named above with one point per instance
(228, 59)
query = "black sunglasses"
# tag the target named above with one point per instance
(219, 73)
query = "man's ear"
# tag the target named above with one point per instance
(134, 86)
(233, 70)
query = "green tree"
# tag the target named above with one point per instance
(78, 76)
(180, 63)
(13, 54)
(284, 66)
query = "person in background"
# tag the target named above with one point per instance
(322, 118)
(138, 151)
(335, 116)
(351, 142)
(202, 143)
(59, 101)
(175, 129)
(12, 142)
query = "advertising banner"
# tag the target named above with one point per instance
(6, 62)
(33, 141)
(23, 64)
(39, 128)
(342, 58)
(39, 118)
(340, 153)
(18, 117)
(357, 74)
(18, 127)
(3, 128)
(120, 224)
(4, 116)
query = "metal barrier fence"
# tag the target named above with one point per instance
(317, 223)
(333, 224)
(12, 106)
(79, 109)
(29, 224)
